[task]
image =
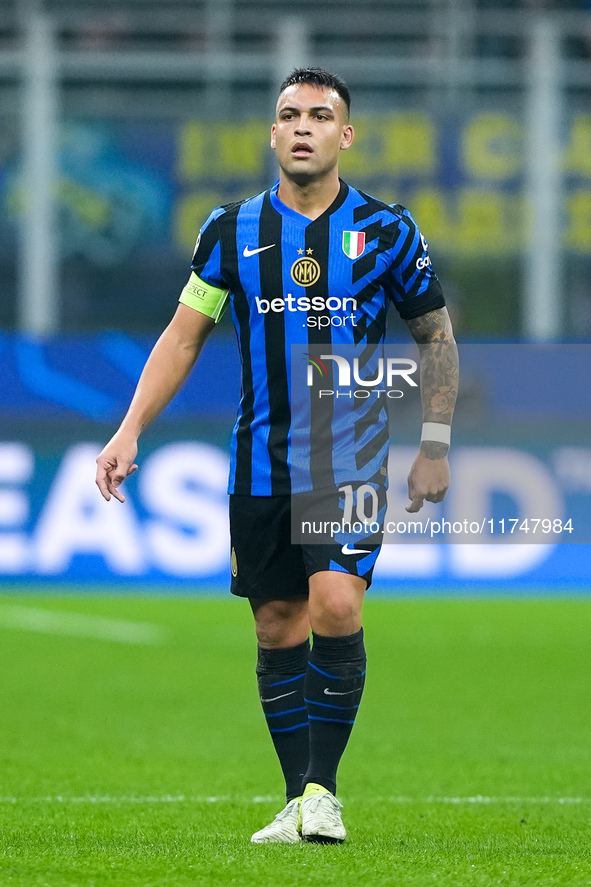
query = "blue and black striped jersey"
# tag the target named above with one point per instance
(319, 283)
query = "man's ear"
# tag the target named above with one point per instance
(273, 136)
(347, 138)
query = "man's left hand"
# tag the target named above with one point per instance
(428, 480)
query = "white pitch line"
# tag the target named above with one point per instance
(146, 799)
(484, 800)
(80, 625)
(268, 799)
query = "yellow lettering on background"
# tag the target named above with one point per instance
(242, 148)
(398, 143)
(218, 149)
(578, 234)
(492, 146)
(409, 143)
(481, 226)
(363, 157)
(578, 154)
(489, 223)
(192, 154)
(468, 221)
(431, 210)
(190, 213)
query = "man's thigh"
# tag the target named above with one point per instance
(265, 564)
(344, 528)
(268, 565)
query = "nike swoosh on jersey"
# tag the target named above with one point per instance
(252, 252)
(346, 550)
(331, 693)
(283, 695)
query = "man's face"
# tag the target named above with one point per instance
(310, 130)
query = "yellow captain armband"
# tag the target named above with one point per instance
(203, 297)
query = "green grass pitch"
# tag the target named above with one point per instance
(142, 760)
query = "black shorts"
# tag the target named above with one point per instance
(265, 562)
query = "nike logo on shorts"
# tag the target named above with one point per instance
(283, 695)
(252, 252)
(346, 549)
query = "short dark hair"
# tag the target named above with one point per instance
(318, 77)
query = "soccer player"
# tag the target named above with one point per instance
(310, 262)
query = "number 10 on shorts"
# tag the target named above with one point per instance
(361, 507)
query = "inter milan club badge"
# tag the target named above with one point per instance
(353, 243)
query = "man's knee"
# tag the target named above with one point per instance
(336, 615)
(281, 623)
(336, 601)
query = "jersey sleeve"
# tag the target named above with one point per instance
(206, 290)
(414, 286)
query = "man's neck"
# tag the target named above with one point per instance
(310, 199)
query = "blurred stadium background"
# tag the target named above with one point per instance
(123, 123)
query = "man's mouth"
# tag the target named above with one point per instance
(302, 149)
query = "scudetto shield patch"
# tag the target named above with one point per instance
(353, 243)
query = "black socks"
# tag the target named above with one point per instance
(333, 688)
(281, 675)
(310, 700)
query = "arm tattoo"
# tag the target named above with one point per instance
(439, 372)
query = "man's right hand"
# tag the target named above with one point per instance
(167, 367)
(114, 464)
